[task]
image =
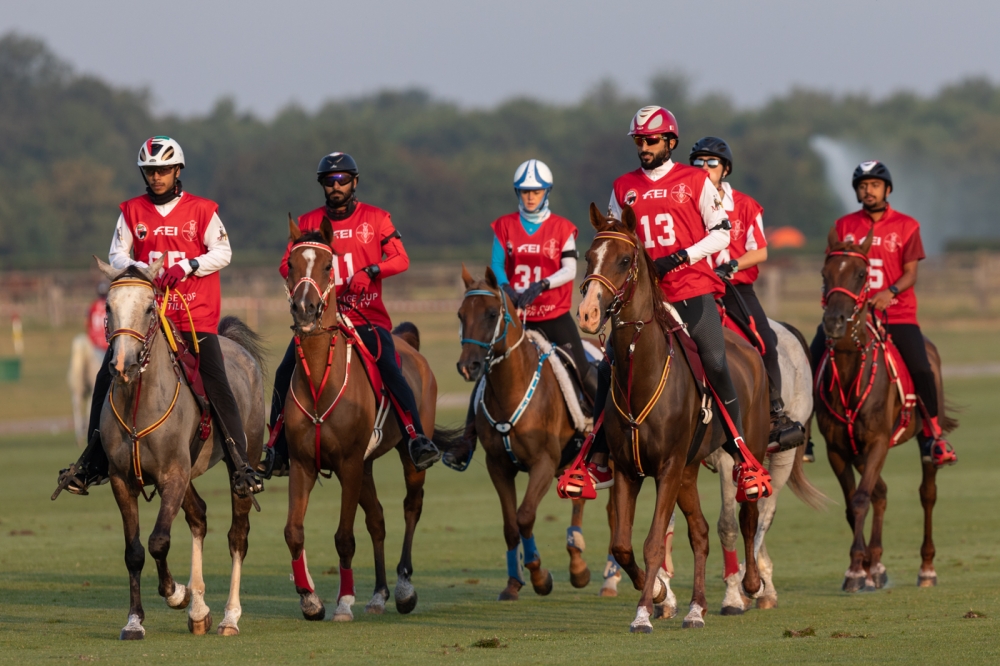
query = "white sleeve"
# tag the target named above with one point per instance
(614, 210)
(567, 268)
(120, 254)
(219, 252)
(714, 214)
(756, 228)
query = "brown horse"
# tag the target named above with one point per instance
(523, 423)
(338, 433)
(872, 412)
(667, 404)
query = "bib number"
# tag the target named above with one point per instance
(522, 275)
(876, 275)
(665, 237)
(342, 276)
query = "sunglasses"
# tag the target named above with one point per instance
(162, 170)
(647, 140)
(711, 163)
(337, 178)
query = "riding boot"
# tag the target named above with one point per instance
(785, 433)
(275, 462)
(460, 455)
(589, 383)
(90, 469)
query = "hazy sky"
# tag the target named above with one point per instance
(267, 54)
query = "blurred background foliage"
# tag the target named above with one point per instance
(68, 141)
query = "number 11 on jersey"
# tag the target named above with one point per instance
(349, 266)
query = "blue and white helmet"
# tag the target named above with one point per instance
(533, 175)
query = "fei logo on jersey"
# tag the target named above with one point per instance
(165, 231)
(343, 233)
(529, 248)
(365, 232)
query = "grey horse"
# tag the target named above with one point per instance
(171, 456)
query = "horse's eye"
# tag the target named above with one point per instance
(151, 309)
(493, 314)
(861, 275)
(625, 261)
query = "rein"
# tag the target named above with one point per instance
(498, 335)
(324, 294)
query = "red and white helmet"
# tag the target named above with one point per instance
(650, 120)
(160, 151)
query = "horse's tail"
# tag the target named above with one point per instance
(798, 481)
(408, 331)
(232, 327)
(945, 420)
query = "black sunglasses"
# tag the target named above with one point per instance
(648, 140)
(162, 170)
(338, 178)
(711, 163)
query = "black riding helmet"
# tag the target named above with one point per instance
(871, 169)
(337, 162)
(714, 146)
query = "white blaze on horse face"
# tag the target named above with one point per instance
(590, 304)
(128, 307)
(309, 255)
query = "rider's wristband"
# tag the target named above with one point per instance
(373, 271)
(894, 289)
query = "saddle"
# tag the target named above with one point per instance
(188, 365)
(594, 355)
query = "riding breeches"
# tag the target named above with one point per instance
(909, 340)
(379, 342)
(562, 330)
(763, 329)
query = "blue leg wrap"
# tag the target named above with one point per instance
(514, 564)
(611, 568)
(530, 551)
(574, 538)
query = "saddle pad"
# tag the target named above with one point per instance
(188, 362)
(899, 374)
(580, 422)
(593, 352)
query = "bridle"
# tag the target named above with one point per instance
(324, 294)
(499, 334)
(861, 298)
(620, 296)
(147, 338)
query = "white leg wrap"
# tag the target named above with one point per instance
(198, 608)
(641, 621)
(232, 618)
(694, 618)
(404, 589)
(344, 612)
(177, 598)
(134, 626)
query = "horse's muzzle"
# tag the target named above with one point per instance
(834, 325)
(471, 371)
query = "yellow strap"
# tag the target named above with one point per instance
(166, 327)
(642, 416)
(136, 463)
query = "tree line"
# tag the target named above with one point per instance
(68, 143)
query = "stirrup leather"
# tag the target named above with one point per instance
(575, 482)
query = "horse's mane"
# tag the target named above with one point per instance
(310, 237)
(661, 315)
(135, 273)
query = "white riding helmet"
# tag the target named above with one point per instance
(533, 175)
(160, 151)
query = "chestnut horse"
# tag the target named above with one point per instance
(668, 405)
(532, 426)
(330, 381)
(872, 410)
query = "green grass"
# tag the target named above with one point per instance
(64, 593)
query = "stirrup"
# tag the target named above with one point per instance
(575, 483)
(752, 482)
(427, 453)
(272, 464)
(77, 480)
(785, 434)
(449, 460)
(943, 453)
(246, 482)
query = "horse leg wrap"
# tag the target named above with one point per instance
(611, 568)
(732, 563)
(574, 539)
(530, 550)
(300, 574)
(668, 549)
(514, 567)
(346, 583)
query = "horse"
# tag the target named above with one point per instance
(523, 422)
(860, 425)
(84, 361)
(168, 452)
(346, 430)
(621, 285)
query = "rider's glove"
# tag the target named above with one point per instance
(727, 270)
(533, 291)
(510, 291)
(670, 262)
(171, 277)
(360, 282)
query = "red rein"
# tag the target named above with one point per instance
(317, 418)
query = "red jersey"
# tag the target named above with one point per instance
(179, 235)
(747, 234)
(896, 241)
(95, 324)
(670, 220)
(530, 258)
(360, 240)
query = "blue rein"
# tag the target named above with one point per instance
(498, 336)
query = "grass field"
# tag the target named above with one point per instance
(64, 594)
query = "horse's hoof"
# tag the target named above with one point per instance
(664, 611)
(133, 631)
(926, 579)
(854, 582)
(766, 603)
(404, 606)
(315, 617)
(376, 606)
(406, 596)
(343, 613)
(695, 619)
(227, 630)
(580, 580)
(641, 624)
(731, 610)
(200, 627)
(544, 587)
(879, 576)
(640, 628)
(312, 608)
(180, 599)
(510, 592)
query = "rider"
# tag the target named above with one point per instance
(96, 313)
(368, 249)
(527, 245)
(167, 220)
(682, 223)
(738, 264)
(895, 251)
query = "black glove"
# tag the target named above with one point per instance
(533, 291)
(511, 292)
(670, 262)
(727, 270)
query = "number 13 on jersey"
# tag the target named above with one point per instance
(666, 237)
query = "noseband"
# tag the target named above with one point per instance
(324, 294)
(147, 338)
(861, 298)
(620, 296)
(498, 333)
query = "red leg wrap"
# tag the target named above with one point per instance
(300, 574)
(346, 583)
(732, 563)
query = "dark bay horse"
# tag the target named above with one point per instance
(531, 426)
(667, 406)
(330, 381)
(148, 397)
(872, 409)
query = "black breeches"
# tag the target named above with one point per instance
(560, 331)
(282, 381)
(705, 326)
(763, 328)
(97, 458)
(392, 374)
(909, 340)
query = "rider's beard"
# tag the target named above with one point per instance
(340, 204)
(650, 160)
(877, 207)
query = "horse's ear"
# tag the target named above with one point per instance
(108, 270)
(628, 218)
(491, 278)
(467, 276)
(597, 220)
(832, 239)
(294, 233)
(153, 270)
(326, 230)
(867, 245)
